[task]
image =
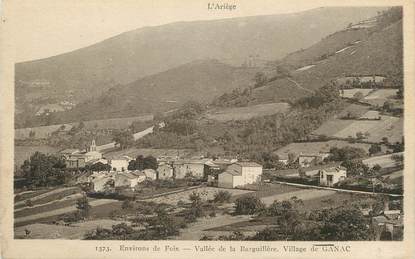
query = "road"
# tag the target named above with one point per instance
(336, 189)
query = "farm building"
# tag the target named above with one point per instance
(195, 168)
(129, 179)
(165, 172)
(240, 174)
(331, 176)
(306, 160)
(150, 174)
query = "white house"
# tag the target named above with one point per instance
(331, 176)
(240, 174)
(119, 165)
(129, 179)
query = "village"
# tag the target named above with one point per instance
(301, 147)
(169, 179)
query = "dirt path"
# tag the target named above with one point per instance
(46, 194)
(336, 189)
(299, 86)
(61, 211)
(195, 230)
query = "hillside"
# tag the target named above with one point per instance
(351, 52)
(198, 81)
(81, 74)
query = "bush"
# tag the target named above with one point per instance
(222, 196)
(127, 204)
(248, 205)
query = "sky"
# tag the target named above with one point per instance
(45, 28)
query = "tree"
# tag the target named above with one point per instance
(385, 140)
(248, 205)
(83, 207)
(346, 153)
(355, 167)
(43, 169)
(341, 224)
(97, 167)
(141, 163)
(374, 149)
(260, 79)
(123, 138)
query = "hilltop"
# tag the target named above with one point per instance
(82, 74)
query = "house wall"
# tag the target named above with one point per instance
(75, 163)
(165, 172)
(337, 177)
(225, 180)
(251, 175)
(119, 165)
(195, 169)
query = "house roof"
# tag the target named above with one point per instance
(69, 151)
(248, 164)
(192, 161)
(232, 172)
(334, 169)
(132, 175)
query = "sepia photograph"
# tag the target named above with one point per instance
(208, 122)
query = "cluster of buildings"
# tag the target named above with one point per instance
(227, 173)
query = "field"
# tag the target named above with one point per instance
(349, 93)
(206, 193)
(75, 231)
(389, 126)
(117, 123)
(381, 94)
(383, 161)
(246, 113)
(379, 97)
(21, 153)
(315, 147)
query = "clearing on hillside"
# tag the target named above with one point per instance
(246, 113)
(388, 126)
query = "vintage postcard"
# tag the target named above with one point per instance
(176, 129)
